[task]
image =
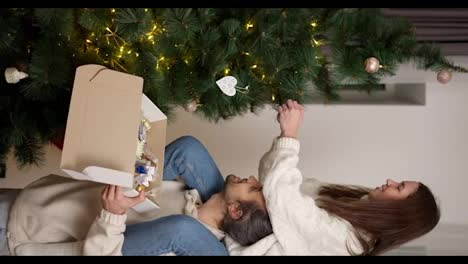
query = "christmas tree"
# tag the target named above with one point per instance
(273, 54)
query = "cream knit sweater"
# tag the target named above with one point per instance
(61, 216)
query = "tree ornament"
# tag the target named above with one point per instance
(192, 106)
(227, 84)
(444, 76)
(372, 65)
(12, 75)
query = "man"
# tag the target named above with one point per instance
(54, 214)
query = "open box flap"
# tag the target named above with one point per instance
(103, 175)
(150, 110)
(143, 207)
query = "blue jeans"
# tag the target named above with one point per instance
(180, 234)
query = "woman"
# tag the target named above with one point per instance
(342, 220)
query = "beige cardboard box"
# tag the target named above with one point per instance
(102, 130)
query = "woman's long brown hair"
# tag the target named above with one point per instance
(380, 225)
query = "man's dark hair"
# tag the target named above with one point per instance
(253, 225)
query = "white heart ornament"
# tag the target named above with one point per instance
(227, 84)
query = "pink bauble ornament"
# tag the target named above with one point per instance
(191, 107)
(444, 76)
(372, 65)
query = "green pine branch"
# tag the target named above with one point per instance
(279, 53)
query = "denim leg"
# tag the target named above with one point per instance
(178, 234)
(188, 158)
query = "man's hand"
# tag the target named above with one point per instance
(115, 202)
(290, 116)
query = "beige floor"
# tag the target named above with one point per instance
(18, 179)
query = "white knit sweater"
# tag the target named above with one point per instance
(300, 227)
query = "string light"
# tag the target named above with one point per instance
(273, 97)
(254, 66)
(246, 53)
(159, 60)
(316, 42)
(263, 76)
(114, 36)
(88, 41)
(249, 25)
(152, 33)
(226, 71)
(313, 24)
(121, 52)
(146, 9)
(113, 10)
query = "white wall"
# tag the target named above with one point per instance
(361, 144)
(358, 144)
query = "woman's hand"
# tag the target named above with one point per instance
(115, 202)
(290, 116)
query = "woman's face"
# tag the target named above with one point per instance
(393, 190)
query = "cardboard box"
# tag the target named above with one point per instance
(102, 130)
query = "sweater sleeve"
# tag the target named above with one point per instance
(105, 237)
(283, 156)
(293, 214)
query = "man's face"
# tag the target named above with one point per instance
(243, 190)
